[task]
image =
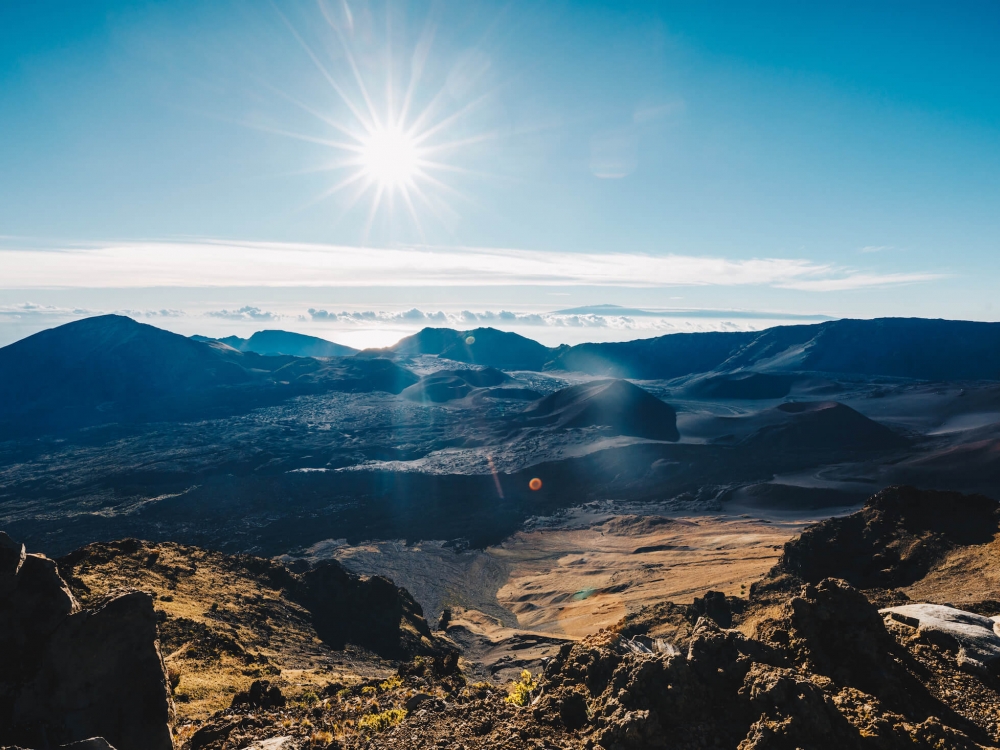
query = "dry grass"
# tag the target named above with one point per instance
(224, 626)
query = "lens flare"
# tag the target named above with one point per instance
(535, 484)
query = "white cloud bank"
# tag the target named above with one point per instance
(207, 263)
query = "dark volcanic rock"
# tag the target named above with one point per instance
(820, 671)
(260, 695)
(892, 541)
(68, 674)
(371, 612)
(624, 408)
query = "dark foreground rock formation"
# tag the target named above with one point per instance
(892, 541)
(806, 661)
(371, 612)
(801, 663)
(69, 674)
(342, 607)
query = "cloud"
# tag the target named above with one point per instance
(32, 310)
(209, 263)
(859, 281)
(874, 248)
(244, 313)
(627, 319)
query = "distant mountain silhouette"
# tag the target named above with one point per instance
(111, 368)
(617, 404)
(481, 346)
(285, 342)
(915, 348)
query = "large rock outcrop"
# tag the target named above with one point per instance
(819, 671)
(69, 674)
(892, 541)
(371, 612)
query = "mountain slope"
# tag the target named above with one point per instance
(915, 348)
(616, 404)
(823, 427)
(112, 369)
(271, 342)
(480, 346)
(109, 358)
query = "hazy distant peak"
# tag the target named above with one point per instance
(272, 342)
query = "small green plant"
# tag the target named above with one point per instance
(391, 684)
(309, 697)
(368, 690)
(520, 690)
(381, 721)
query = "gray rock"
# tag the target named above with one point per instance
(973, 636)
(68, 674)
(101, 674)
(414, 701)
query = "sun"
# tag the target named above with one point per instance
(399, 147)
(389, 157)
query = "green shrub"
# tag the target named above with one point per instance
(381, 721)
(520, 690)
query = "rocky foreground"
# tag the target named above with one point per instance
(828, 651)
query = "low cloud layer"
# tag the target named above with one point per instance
(253, 264)
(247, 312)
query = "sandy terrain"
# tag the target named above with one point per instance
(575, 578)
(573, 582)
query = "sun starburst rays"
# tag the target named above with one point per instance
(387, 147)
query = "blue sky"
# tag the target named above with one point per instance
(168, 159)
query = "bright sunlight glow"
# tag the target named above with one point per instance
(389, 157)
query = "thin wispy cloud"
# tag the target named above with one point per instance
(210, 263)
(859, 281)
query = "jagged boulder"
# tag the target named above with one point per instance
(974, 638)
(818, 671)
(69, 675)
(893, 541)
(260, 695)
(372, 612)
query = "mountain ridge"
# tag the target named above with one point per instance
(270, 342)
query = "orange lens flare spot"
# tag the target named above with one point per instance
(535, 484)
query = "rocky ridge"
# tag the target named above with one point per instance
(806, 660)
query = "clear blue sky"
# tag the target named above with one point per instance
(853, 147)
